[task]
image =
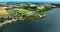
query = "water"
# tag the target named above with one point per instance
(50, 23)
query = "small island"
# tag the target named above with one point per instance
(22, 11)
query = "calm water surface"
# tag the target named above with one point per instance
(50, 23)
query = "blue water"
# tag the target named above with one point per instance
(50, 23)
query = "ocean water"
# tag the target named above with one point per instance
(50, 23)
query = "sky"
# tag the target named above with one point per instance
(31, 0)
(53, 1)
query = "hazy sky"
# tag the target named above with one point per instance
(29, 0)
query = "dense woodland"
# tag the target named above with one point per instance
(23, 11)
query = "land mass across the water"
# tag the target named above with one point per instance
(23, 11)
